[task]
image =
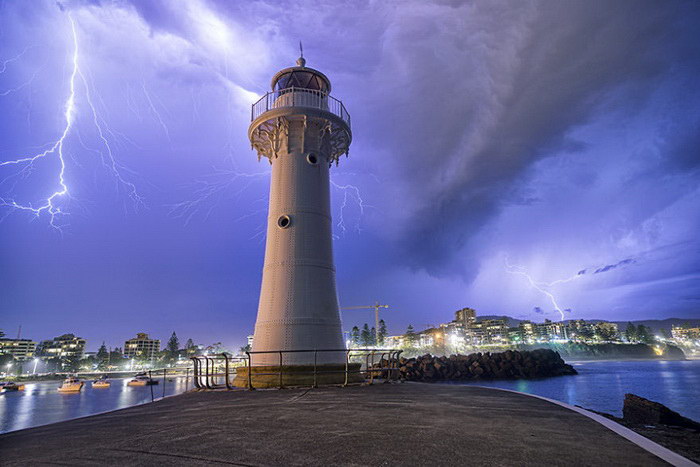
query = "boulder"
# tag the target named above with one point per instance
(640, 411)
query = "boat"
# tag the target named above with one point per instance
(71, 384)
(11, 386)
(142, 380)
(101, 382)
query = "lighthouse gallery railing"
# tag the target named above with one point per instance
(300, 97)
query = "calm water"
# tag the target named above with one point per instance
(602, 385)
(40, 403)
(599, 385)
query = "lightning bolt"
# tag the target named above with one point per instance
(350, 191)
(3, 67)
(210, 189)
(540, 286)
(155, 111)
(50, 205)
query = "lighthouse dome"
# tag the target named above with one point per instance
(301, 77)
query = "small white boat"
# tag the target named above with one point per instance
(71, 384)
(11, 386)
(102, 382)
(142, 380)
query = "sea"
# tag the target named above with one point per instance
(600, 386)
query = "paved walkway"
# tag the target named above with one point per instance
(396, 424)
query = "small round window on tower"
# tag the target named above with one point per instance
(312, 159)
(284, 221)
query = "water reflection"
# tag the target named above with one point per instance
(602, 385)
(40, 403)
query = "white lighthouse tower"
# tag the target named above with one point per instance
(302, 131)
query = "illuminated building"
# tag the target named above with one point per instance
(142, 347)
(20, 349)
(685, 333)
(64, 347)
(466, 316)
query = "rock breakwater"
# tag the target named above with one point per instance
(511, 364)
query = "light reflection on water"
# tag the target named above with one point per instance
(40, 403)
(602, 385)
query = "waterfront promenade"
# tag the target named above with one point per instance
(383, 424)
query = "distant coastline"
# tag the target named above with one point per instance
(610, 351)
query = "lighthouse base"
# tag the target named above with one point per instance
(297, 375)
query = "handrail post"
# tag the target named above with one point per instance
(250, 372)
(280, 369)
(368, 371)
(187, 379)
(164, 370)
(228, 383)
(195, 372)
(209, 372)
(347, 365)
(315, 361)
(150, 383)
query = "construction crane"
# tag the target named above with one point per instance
(376, 308)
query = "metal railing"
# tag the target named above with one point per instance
(300, 97)
(219, 371)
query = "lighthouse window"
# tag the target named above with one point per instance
(300, 79)
(284, 221)
(312, 159)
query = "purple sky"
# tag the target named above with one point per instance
(491, 140)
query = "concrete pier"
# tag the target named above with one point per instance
(383, 424)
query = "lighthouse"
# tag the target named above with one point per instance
(302, 131)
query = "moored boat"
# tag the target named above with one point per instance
(12, 386)
(101, 382)
(71, 384)
(142, 380)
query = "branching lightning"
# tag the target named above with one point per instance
(51, 204)
(155, 111)
(545, 287)
(211, 189)
(350, 191)
(538, 285)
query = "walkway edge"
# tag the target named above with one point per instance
(666, 454)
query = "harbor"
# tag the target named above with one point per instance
(40, 403)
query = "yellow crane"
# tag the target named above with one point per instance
(376, 308)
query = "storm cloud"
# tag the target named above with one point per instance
(562, 135)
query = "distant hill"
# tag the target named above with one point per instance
(657, 324)
(654, 324)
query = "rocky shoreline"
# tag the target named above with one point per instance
(511, 364)
(660, 424)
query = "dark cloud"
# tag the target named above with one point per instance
(478, 138)
(608, 267)
(560, 133)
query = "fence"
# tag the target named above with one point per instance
(218, 372)
(300, 97)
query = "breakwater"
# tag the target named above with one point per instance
(510, 364)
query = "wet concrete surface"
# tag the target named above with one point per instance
(382, 424)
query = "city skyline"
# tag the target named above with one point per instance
(487, 170)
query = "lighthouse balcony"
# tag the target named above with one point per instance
(302, 98)
(272, 114)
